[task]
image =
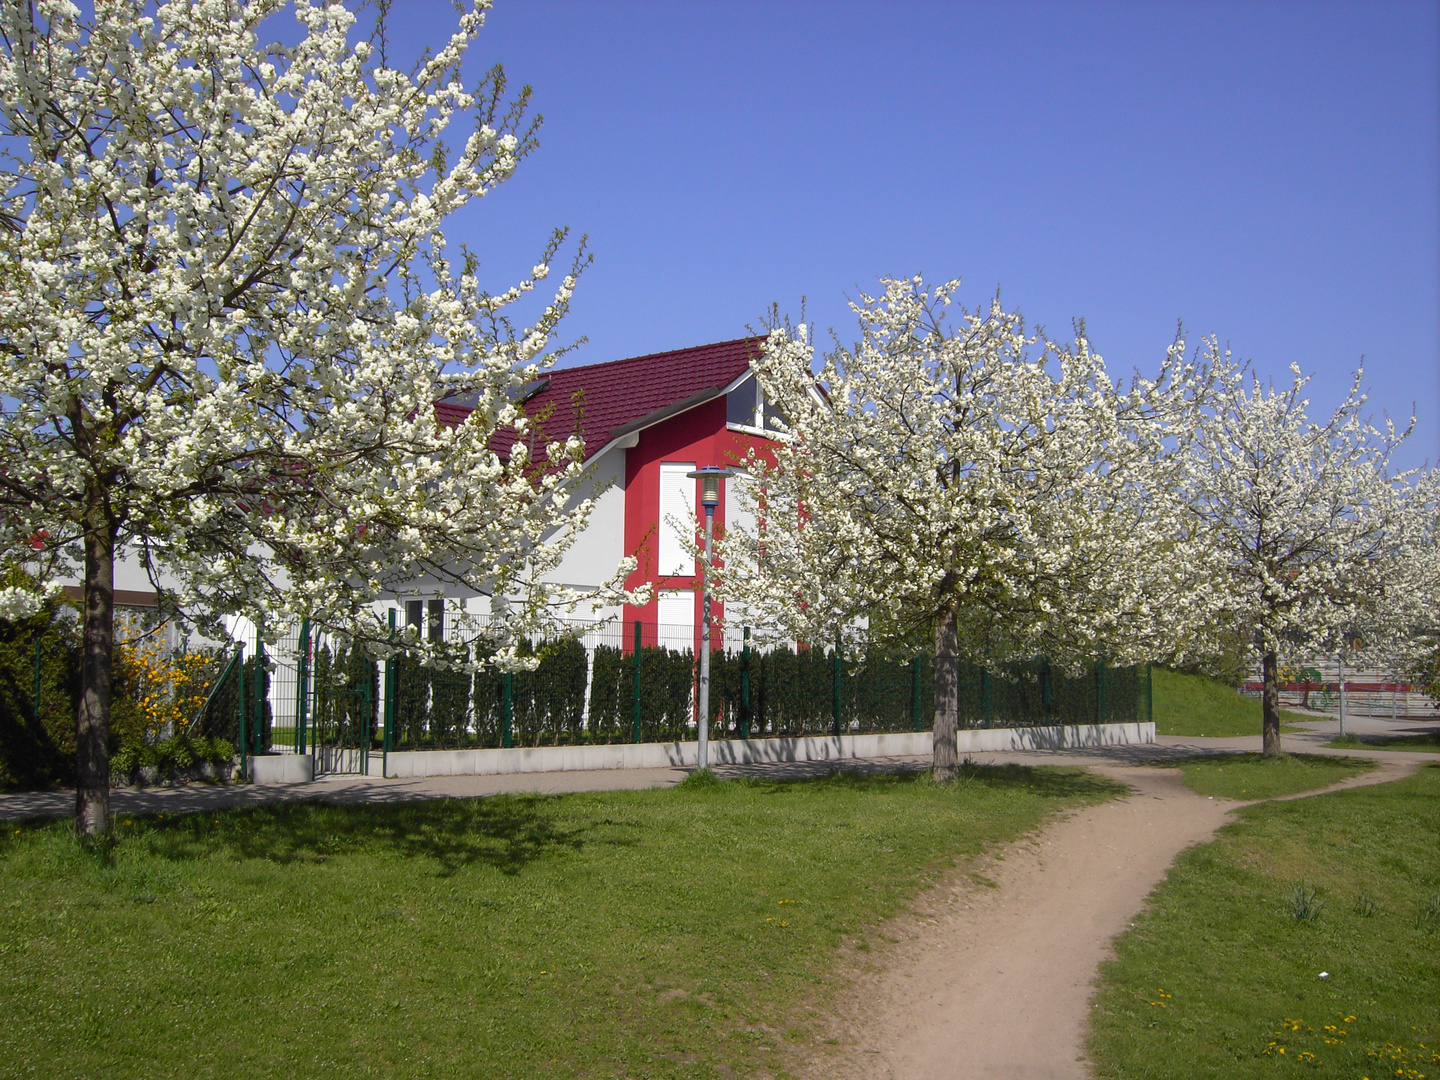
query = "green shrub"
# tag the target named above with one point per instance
(611, 701)
(36, 751)
(169, 756)
(548, 702)
(347, 698)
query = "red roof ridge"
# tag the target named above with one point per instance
(620, 396)
(548, 372)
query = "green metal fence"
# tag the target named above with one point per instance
(607, 683)
(613, 683)
(618, 684)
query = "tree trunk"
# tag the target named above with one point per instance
(92, 724)
(947, 696)
(1270, 706)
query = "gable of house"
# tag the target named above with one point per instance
(646, 421)
(607, 401)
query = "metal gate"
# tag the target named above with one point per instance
(336, 703)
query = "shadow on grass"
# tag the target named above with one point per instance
(1052, 783)
(506, 833)
(1429, 740)
(1250, 757)
(1044, 781)
(509, 832)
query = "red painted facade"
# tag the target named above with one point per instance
(699, 436)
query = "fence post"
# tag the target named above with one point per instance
(240, 706)
(387, 733)
(1047, 689)
(1149, 693)
(916, 689)
(1099, 691)
(635, 688)
(835, 686)
(367, 706)
(37, 683)
(302, 696)
(507, 708)
(745, 687)
(985, 697)
(259, 734)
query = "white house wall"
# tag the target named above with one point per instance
(596, 553)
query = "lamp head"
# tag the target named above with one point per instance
(710, 477)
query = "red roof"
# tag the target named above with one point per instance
(620, 396)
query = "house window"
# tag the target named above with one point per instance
(769, 414)
(746, 407)
(677, 518)
(432, 628)
(740, 404)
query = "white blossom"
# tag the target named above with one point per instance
(980, 483)
(229, 308)
(1309, 539)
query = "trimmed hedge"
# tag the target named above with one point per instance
(667, 679)
(175, 754)
(38, 751)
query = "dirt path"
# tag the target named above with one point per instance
(994, 978)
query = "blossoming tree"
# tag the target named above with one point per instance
(1309, 537)
(1416, 585)
(962, 483)
(228, 309)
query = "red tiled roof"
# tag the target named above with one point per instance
(622, 395)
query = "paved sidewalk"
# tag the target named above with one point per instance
(193, 798)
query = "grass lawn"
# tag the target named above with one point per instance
(1194, 705)
(1251, 776)
(1429, 740)
(1220, 978)
(683, 932)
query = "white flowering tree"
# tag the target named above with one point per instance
(228, 309)
(1415, 586)
(1309, 537)
(973, 482)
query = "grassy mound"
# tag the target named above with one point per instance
(1423, 742)
(1194, 705)
(1250, 776)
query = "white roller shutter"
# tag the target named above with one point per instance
(676, 615)
(677, 517)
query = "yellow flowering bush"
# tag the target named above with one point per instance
(166, 691)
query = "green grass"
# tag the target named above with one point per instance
(1251, 776)
(1193, 705)
(1429, 740)
(673, 933)
(1219, 975)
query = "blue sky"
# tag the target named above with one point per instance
(1267, 172)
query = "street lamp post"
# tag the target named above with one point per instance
(709, 477)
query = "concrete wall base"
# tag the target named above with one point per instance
(281, 768)
(1068, 737)
(300, 768)
(338, 760)
(522, 759)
